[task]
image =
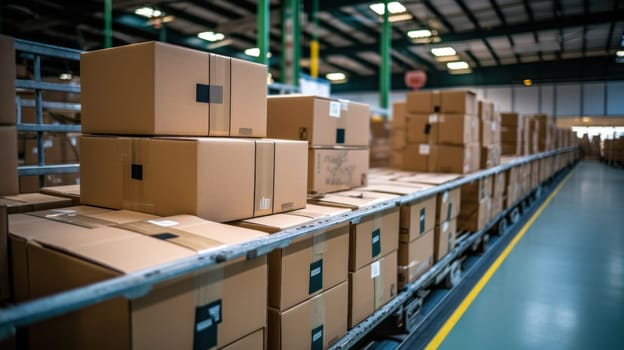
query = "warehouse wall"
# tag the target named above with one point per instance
(561, 100)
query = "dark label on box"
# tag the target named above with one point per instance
(448, 213)
(165, 236)
(376, 240)
(136, 171)
(340, 136)
(317, 338)
(316, 276)
(208, 93)
(422, 221)
(207, 318)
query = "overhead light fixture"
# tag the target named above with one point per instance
(336, 77)
(419, 33)
(211, 36)
(400, 17)
(394, 7)
(65, 76)
(255, 52)
(457, 65)
(527, 82)
(148, 12)
(443, 51)
(619, 53)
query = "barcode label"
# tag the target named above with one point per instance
(334, 109)
(163, 223)
(375, 269)
(424, 149)
(265, 203)
(433, 118)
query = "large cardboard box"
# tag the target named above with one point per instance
(444, 239)
(8, 160)
(68, 191)
(458, 101)
(317, 323)
(336, 169)
(423, 102)
(7, 81)
(451, 159)
(371, 287)
(215, 178)
(155, 88)
(255, 340)
(416, 157)
(25, 202)
(211, 308)
(415, 258)
(457, 129)
(474, 215)
(421, 128)
(318, 120)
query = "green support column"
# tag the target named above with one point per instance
(108, 23)
(163, 31)
(291, 43)
(384, 75)
(263, 31)
(296, 41)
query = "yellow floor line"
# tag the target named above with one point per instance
(465, 304)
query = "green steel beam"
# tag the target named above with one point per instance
(263, 31)
(290, 50)
(296, 41)
(108, 23)
(385, 72)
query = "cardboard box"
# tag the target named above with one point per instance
(511, 119)
(155, 88)
(62, 256)
(8, 159)
(486, 136)
(477, 190)
(423, 102)
(336, 169)
(485, 110)
(169, 176)
(444, 239)
(475, 160)
(318, 120)
(7, 81)
(457, 129)
(415, 258)
(254, 340)
(398, 139)
(399, 111)
(371, 287)
(421, 128)
(68, 191)
(490, 157)
(25, 202)
(457, 101)
(474, 215)
(416, 157)
(499, 184)
(317, 323)
(451, 159)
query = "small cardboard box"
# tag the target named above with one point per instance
(451, 159)
(371, 287)
(212, 308)
(336, 169)
(170, 176)
(458, 101)
(253, 341)
(415, 258)
(444, 239)
(423, 102)
(474, 215)
(8, 159)
(318, 120)
(316, 323)
(68, 191)
(7, 81)
(155, 88)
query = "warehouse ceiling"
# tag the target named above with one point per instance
(502, 41)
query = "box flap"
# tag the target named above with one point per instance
(314, 211)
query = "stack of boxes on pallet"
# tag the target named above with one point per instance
(8, 131)
(441, 132)
(476, 204)
(613, 151)
(512, 134)
(490, 135)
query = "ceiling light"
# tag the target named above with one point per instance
(443, 51)
(419, 33)
(65, 76)
(211, 36)
(394, 7)
(148, 12)
(527, 82)
(457, 65)
(255, 52)
(400, 17)
(337, 76)
(619, 53)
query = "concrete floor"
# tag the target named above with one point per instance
(562, 286)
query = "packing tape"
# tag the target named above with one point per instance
(70, 216)
(208, 307)
(209, 285)
(378, 284)
(317, 311)
(219, 97)
(264, 174)
(173, 235)
(318, 245)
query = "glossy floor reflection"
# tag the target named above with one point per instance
(562, 287)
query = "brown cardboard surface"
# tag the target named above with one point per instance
(224, 195)
(477, 190)
(444, 239)
(429, 178)
(321, 319)
(485, 110)
(338, 169)
(475, 159)
(451, 159)
(415, 258)
(420, 129)
(457, 129)
(68, 191)
(416, 157)
(474, 215)
(7, 81)
(152, 89)
(371, 287)
(448, 205)
(352, 199)
(8, 157)
(364, 235)
(320, 121)
(417, 219)
(398, 139)
(25, 202)
(30, 184)
(423, 102)
(253, 341)
(486, 137)
(399, 111)
(510, 119)
(458, 101)
(62, 256)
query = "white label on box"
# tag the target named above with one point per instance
(48, 144)
(423, 149)
(493, 126)
(344, 105)
(265, 203)
(375, 269)
(433, 118)
(334, 109)
(445, 226)
(163, 223)
(445, 197)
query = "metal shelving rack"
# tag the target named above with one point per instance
(35, 51)
(137, 284)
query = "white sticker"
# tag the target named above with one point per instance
(433, 118)
(73, 141)
(375, 269)
(163, 223)
(344, 105)
(265, 203)
(334, 109)
(423, 149)
(445, 197)
(48, 144)
(445, 226)
(493, 126)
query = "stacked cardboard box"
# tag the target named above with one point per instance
(512, 192)
(337, 132)
(476, 204)
(613, 151)
(308, 289)
(379, 144)
(441, 132)
(546, 131)
(489, 135)
(154, 90)
(8, 131)
(58, 250)
(373, 245)
(512, 134)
